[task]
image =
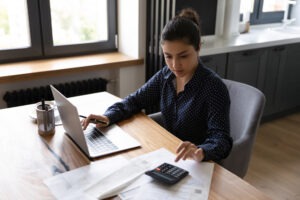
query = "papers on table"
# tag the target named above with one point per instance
(158, 191)
(70, 185)
(117, 175)
(117, 180)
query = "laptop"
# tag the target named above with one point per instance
(93, 142)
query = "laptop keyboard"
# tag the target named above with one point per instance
(98, 142)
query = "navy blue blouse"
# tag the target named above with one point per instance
(199, 114)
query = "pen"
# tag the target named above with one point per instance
(95, 120)
(43, 104)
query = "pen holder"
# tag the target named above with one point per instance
(45, 119)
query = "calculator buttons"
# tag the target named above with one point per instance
(167, 173)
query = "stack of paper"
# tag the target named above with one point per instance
(117, 175)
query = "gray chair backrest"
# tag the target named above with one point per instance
(246, 109)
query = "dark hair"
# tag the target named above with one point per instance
(185, 26)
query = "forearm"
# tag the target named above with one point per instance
(147, 95)
(121, 110)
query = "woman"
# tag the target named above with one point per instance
(194, 101)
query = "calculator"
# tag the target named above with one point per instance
(167, 173)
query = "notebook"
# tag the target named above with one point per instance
(92, 142)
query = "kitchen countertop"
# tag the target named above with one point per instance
(259, 36)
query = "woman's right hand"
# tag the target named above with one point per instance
(187, 149)
(99, 120)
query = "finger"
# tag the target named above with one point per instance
(82, 123)
(181, 146)
(185, 150)
(104, 120)
(85, 123)
(188, 154)
(182, 152)
(183, 155)
(199, 155)
(99, 119)
(100, 125)
(179, 156)
(87, 120)
(91, 117)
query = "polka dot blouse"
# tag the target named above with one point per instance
(199, 114)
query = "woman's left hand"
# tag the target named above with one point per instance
(189, 150)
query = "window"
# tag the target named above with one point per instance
(263, 11)
(273, 6)
(46, 28)
(75, 22)
(14, 29)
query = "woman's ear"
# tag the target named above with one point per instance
(199, 47)
(200, 43)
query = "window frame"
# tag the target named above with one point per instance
(41, 36)
(50, 50)
(260, 17)
(35, 38)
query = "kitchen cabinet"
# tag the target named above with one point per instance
(274, 70)
(271, 89)
(282, 79)
(216, 62)
(248, 67)
(289, 78)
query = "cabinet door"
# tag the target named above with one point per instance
(216, 62)
(271, 89)
(248, 67)
(289, 78)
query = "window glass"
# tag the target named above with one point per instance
(246, 6)
(263, 11)
(273, 5)
(14, 25)
(78, 21)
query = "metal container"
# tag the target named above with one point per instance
(45, 119)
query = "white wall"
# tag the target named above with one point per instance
(132, 35)
(132, 27)
(132, 31)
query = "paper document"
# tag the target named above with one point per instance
(69, 185)
(117, 175)
(195, 186)
(114, 182)
(156, 191)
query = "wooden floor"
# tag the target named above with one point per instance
(275, 163)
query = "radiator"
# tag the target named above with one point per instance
(74, 88)
(159, 12)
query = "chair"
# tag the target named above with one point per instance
(247, 105)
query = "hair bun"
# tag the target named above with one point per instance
(191, 14)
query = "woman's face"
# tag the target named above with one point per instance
(181, 58)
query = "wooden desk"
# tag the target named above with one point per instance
(27, 158)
